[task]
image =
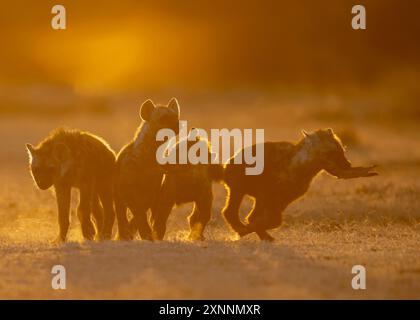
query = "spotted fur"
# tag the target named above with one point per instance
(69, 159)
(139, 176)
(288, 172)
(185, 183)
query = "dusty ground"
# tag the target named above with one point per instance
(373, 222)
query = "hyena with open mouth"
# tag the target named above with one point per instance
(288, 171)
(139, 175)
(69, 159)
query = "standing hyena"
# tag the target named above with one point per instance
(67, 159)
(288, 171)
(139, 175)
(185, 183)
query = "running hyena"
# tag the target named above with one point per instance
(288, 171)
(185, 183)
(71, 158)
(139, 174)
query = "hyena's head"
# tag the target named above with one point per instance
(325, 148)
(48, 163)
(161, 117)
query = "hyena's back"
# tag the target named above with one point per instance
(277, 158)
(92, 156)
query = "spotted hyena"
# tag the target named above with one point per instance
(139, 175)
(69, 159)
(288, 171)
(185, 183)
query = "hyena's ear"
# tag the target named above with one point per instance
(305, 133)
(61, 152)
(174, 106)
(146, 110)
(31, 150)
(330, 132)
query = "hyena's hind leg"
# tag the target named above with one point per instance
(84, 212)
(254, 219)
(200, 216)
(159, 218)
(161, 210)
(139, 211)
(231, 211)
(98, 216)
(265, 215)
(106, 195)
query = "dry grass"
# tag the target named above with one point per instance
(374, 222)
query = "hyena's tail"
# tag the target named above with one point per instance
(216, 172)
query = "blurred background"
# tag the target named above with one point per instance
(278, 65)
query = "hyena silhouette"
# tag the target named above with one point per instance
(69, 159)
(288, 171)
(139, 175)
(185, 183)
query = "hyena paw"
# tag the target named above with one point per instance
(106, 236)
(102, 237)
(58, 241)
(243, 231)
(88, 231)
(124, 236)
(264, 236)
(193, 236)
(147, 236)
(157, 236)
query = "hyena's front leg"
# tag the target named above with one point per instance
(83, 213)
(106, 194)
(63, 193)
(200, 217)
(160, 212)
(98, 216)
(122, 221)
(255, 219)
